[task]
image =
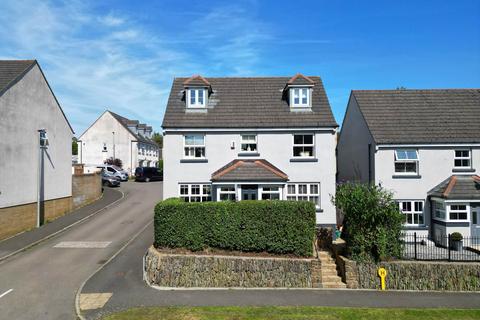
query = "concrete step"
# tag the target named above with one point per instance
(334, 285)
(331, 278)
(329, 268)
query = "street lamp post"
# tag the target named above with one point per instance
(113, 134)
(43, 144)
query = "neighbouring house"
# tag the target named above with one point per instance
(114, 136)
(267, 138)
(29, 113)
(424, 145)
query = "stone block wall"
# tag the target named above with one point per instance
(175, 270)
(86, 188)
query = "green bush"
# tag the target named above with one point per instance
(372, 224)
(456, 236)
(280, 227)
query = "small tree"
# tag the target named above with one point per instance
(115, 162)
(158, 138)
(372, 221)
(74, 146)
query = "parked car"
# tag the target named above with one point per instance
(148, 174)
(116, 171)
(109, 179)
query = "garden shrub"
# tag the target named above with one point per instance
(372, 224)
(280, 227)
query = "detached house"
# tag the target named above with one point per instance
(267, 138)
(114, 136)
(424, 145)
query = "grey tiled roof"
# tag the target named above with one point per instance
(11, 70)
(421, 116)
(125, 122)
(458, 187)
(249, 170)
(258, 102)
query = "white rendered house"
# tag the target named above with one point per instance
(424, 145)
(270, 138)
(114, 136)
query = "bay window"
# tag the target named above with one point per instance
(227, 193)
(270, 193)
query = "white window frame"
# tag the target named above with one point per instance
(248, 142)
(413, 212)
(458, 211)
(398, 160)
(262, 191)
(194, 146)
(469, 158)
(196, 94)
(300, 92)
(202, 195)
(228, 192)
(308, 196)
(303, 145)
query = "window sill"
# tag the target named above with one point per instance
(248, 154)
(193, 160)
(408, 227)
(469, 170)
(319, 210)
(406, 176)
(304, 160)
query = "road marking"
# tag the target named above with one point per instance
(83, 244)
(91, 301)
(5, 293)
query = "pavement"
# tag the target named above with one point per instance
(122, 277)
(27, 239)
(41, 282)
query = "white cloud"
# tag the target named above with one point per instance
(96, 61)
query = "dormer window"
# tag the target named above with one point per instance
(196, 98)
(300, 97)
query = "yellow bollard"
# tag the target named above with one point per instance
(382, 273)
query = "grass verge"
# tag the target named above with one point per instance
(283, 313)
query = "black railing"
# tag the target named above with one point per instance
(444, 247)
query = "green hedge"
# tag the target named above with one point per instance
(279, 227)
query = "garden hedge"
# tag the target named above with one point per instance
(280, 227)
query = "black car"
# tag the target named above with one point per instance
(148, 174)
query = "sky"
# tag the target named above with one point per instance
(123, 55)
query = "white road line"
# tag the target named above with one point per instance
(82, 244)
(5, 293)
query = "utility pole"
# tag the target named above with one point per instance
(43, 144)
(113, 134)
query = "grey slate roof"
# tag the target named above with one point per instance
(125, 122)
(258, 102)
(421, 116)
(249, 170)
(12, 70)
(458, 187)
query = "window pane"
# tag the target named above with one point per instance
(199, 152)
(183, 189)
(302, 189)
(314, 189)
(298, 139)
(189, 140)
(411, 154)
(399, 167)
(195, 189)
(200, 96)
(308, 139)
(411, 167)
(192, 96)
(400, 155)
(418, 206)
(304, 96)
(291, 189)
(297, 151)
(206, 189)
(291, 198)
(409, 218)
(313, 199)
(307, 152)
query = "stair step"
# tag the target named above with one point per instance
(331, 278)
(333, 285)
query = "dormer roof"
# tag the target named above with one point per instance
(300, 79)
(196, 81)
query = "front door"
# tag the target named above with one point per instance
(475, 225)
(249, 192)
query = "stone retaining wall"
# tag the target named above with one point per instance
(176, 270)
(411, 275)
(86, 188)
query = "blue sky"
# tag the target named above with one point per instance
(123, 55)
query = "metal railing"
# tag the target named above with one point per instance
(444, 247)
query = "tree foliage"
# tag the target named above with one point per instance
(158, 138)
(74, 146)
(372, 221)
(115, 162)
